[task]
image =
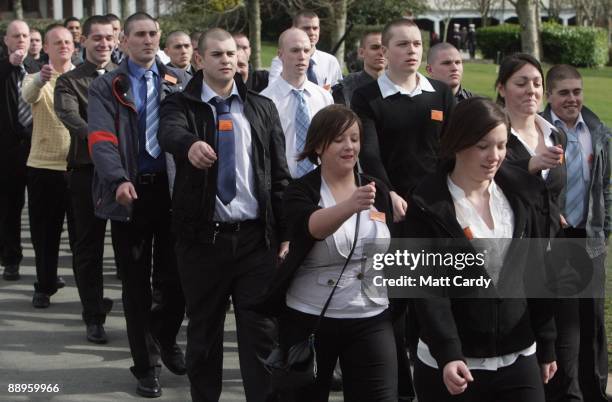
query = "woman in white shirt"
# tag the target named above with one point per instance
(322, 208)
(485, 348)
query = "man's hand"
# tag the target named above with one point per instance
(456, 376)
(17, 57)
(548, 371)
(283, 250)
(400, 206)
(201, 155)
(126, 194)
(46, 72)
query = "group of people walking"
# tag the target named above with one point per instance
(222, 181)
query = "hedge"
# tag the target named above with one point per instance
(579, 46)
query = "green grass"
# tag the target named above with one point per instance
(479, 78)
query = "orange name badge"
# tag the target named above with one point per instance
(468, 233)
(225, 125)
(437, 115)
(377, 216)
(590, 159)
(171, 79)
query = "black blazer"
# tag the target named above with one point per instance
(401, 134)
(552, 196)
(12, 134)
(486, 325)
(185, 119)
(301, 199)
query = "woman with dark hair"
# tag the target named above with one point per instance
(534, 144)
(480, 346)
(322, 209)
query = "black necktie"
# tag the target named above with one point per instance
(24, 111)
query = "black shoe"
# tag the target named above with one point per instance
(107, 305)
(11, 273)
(336, 381)
(173, 359)
(149, 387)
(60, 283)
(96, 333)
(40, 300)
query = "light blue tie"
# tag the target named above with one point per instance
(576, 186)
(302, 122)
(152, 122)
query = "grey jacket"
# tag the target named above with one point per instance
(113, 135)
(598, 223)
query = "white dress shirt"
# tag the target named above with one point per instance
(326, 68)
(584, 138)
(280, 91)
(244, 206)
(388, 87)
(356, 295)
(497, 242)
(547, 130)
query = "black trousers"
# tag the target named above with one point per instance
(140, 245)
(47, 204)
(13, 179)
(88, 248)
(581, 344)
(365, 347)
(237, 264)
(519, 382)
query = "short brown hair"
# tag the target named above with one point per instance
(365, 36)
(212, 33)
(327, 124)
(560, 72)
(471, 120)
(401, 22)
(138, 16)
(303, 14)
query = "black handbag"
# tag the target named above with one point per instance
(297, 367)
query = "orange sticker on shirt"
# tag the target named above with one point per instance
(225, 125)
(590, 159)
(170, 79)
(377, 216)
(437, 115)
(468, 233)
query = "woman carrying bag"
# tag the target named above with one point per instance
(326, 211)
(486, 348)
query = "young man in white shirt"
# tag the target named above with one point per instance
(290, 90)
(324, 67)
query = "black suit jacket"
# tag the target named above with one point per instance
(70, 103)
(401, 134)
(12, 134)
(185, 119)
(258, 79)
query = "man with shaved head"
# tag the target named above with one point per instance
(16, 118)
(323, 68)
(178, 48)
(255, 80)
(231, 172)
(444, 64)
(296, 98)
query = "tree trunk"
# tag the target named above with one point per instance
(124, 9)
(254, 17)
(141, 5)
(339, 28)
(530, 36)
(18, 8)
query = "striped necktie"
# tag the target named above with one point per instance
(226, 150)
(302, 122)
(310, 74)
(152, 113)
(576, 186)
(24, 110)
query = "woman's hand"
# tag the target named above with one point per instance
(563, 222)
(549, 159)
(548, 371)
(456, 376)
(400, 206)
(363, 198)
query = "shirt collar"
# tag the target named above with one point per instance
(138, 72)
(546, 128)
(286, 88)
(560, 123)
(388, 87)
(208, 93)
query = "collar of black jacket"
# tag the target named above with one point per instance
(432, 195)
(193, 90)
